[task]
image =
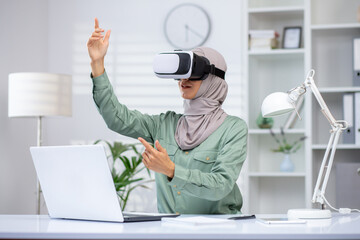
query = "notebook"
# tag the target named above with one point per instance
(77, 184)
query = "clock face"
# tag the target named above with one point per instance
(187, 26)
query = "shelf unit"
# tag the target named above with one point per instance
(268, 190)
(332, 32)
(326, 47)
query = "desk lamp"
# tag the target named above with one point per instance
(39, 95)
(279, 103)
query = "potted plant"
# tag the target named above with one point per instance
(287, 148)
(264, 122)
(125, 170)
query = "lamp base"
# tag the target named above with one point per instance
(308, 214)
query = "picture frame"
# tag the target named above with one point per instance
(292, 37)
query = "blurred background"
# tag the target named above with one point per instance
(51, 35)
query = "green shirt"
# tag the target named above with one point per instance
(205, 177)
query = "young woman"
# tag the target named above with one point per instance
(198, 155)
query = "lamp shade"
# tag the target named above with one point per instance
(40, 94)
(275, 104)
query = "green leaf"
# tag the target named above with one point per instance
(297, 148)
(126, 162)
(120, 148)
(149, 173)
(133, 147)
(125, 174)
(125, 183)
(287, 147)
(133, 162)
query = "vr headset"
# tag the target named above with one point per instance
(184, 65)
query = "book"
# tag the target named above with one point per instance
(263, 39)
(263, 44)
(263, 34)
(357, 117)
(356, 61)
(348, 111)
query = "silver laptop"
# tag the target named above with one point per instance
(77, 184)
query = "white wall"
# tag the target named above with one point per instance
(52, 37)
(24, 46)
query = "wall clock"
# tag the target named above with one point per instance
(187, 26)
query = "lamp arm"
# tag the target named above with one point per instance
(322, 180)
(331, 160)
(309, 82)
(336, 128)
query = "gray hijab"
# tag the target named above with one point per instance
(203, 114)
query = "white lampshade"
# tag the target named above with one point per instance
(39, 94)
(275, 104)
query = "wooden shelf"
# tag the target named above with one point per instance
(277, 174)
(335, 26)
(340, 146)
(276, 52)
(339, 89)
(276, 9)
(276, 131)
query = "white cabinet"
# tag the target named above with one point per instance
(328, 28)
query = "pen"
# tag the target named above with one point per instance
(242, 217)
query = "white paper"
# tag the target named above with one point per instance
(197, 221)
(281, 221)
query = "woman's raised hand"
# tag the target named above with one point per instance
(97, 48)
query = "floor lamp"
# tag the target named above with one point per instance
(39, 95)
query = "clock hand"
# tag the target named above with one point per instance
(186, 32)
(195, 32)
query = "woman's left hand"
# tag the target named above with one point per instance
(157, 160)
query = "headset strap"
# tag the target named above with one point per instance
(215, 71)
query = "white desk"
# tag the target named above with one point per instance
(42, 227)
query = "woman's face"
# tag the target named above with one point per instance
(188, 89)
